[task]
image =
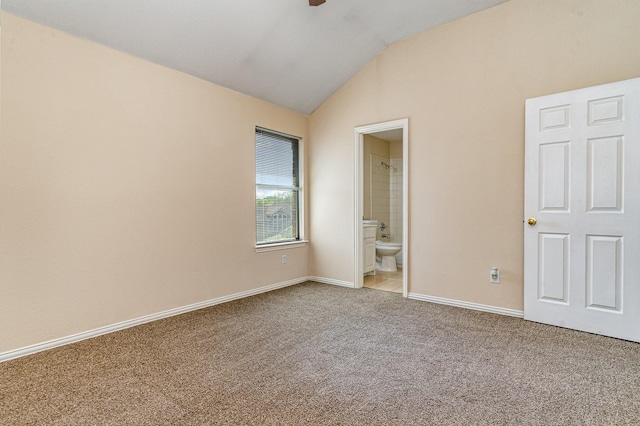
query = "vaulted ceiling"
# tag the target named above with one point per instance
(282, 51)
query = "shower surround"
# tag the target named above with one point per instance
(386, 196)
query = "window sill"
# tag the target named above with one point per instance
(281, 246)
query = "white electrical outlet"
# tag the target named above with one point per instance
(494, 275)
(284, 259)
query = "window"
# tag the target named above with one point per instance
(277, 187)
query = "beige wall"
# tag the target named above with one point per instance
(463, 87)
(126, 188)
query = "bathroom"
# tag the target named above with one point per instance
(382, 201)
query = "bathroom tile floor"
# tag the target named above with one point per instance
(386, 281)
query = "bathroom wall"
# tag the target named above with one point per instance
(371, 146)
(395, 194)
(380, 193)
(395, 204)
(463, 87)
(126, 188)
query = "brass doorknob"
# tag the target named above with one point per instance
(532, 221)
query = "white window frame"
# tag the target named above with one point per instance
(301, 241)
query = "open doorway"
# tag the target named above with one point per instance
(387, 211)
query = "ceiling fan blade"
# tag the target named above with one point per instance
(316, 2)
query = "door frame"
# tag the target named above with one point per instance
(359, 197)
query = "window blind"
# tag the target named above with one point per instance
(276, 159)
(277, 187)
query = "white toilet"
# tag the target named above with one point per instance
(388, 251)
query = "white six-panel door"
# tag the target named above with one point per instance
(582, 207)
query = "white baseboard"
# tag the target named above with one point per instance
(467, 305)
(39, 347)
(332, 282)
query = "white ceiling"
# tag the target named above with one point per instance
(282, 51)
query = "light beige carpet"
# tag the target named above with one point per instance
(322, 355)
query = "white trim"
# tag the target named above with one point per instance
(39, 347)
(358, 201)
(281, 246)
(302, 201)
(331, 281)
(302, 197)
(467, 305)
